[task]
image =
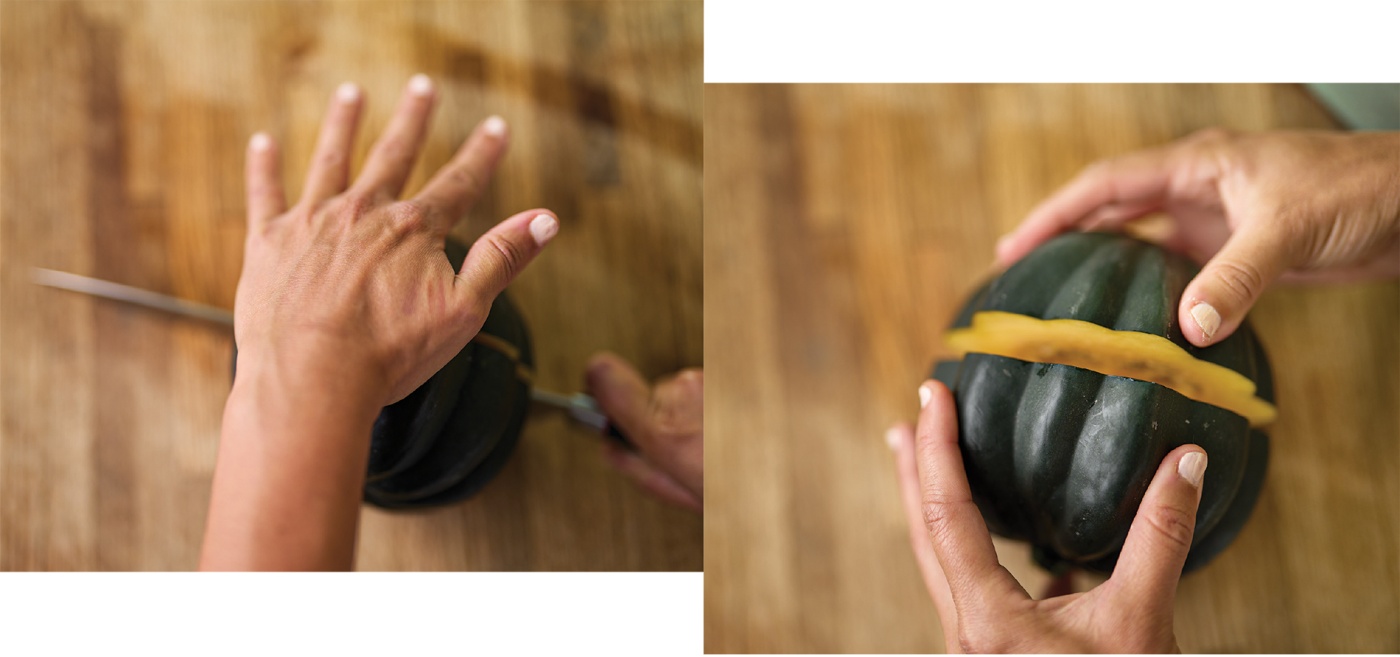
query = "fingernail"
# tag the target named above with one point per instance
(347, 92)
(260, 142)
(1206, 318)
(1192, 467)
(494, 126)
(925, 394)
(543, 227)
(420, 84)
(892, 439)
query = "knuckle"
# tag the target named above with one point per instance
(510, 257)
(673, 425)
(937, 515)
(395, 149)
(331, 158)
(409, 217)
(466, 180)
(355, 204)
(1172, 525)
(1242, 280)
(1206, 152)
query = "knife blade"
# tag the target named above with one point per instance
(583, 409)
(134, 295)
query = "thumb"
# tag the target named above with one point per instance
(1149, 566)
(497, 257)
(622, 394)
(1216, 301)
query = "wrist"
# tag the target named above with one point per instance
(291, 465)
(298, 400)
(321, 374)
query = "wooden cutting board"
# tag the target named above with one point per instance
(124, 126)
(845, 224)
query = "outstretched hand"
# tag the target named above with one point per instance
(346, 303)
(983, 608)
(352, 275)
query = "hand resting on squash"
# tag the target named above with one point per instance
(1253, 207)
(983, 608)
(346, 303)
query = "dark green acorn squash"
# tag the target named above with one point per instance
(1060, 456)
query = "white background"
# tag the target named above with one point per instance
(1051, 41)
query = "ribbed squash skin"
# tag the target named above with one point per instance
(1060, 456)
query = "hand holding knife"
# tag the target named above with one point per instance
(677, 480)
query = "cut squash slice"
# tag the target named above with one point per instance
(1128, 354)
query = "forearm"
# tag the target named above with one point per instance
(290, 470)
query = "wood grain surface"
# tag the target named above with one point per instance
(845, 224)
(124, 125)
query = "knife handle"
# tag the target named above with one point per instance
(585, 409)
(612, 432)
